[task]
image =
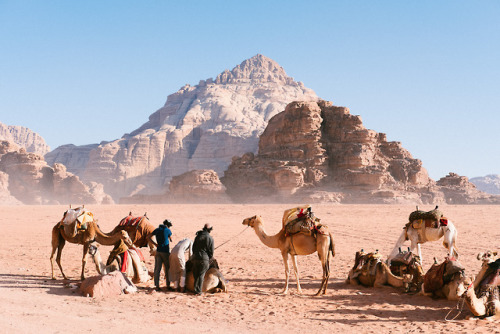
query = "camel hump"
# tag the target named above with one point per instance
(294, 213)
(434, 215)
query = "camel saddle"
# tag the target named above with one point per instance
(440, 274)
(131, 221)
(212, 263)
(302, 220)
(400, 263)
(420, 219)
(366, 263)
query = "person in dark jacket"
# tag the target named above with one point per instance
(203, 251)
(163, 238)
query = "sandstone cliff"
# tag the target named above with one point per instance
(314, 151)
(199, 127)
(24, 137)
(31, 181)
(199, 186)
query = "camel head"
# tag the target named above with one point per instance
(126, 238)
(252, 221)
(456, 280)
(93, 248)
(487, 257)
(416, 273)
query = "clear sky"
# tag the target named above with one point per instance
(427, 73)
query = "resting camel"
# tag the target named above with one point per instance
(134, 268)
(213, 281)
(427, 232)
(482, 296)
(296, 244)
(445, 280)
(370, 270)
(138, 228)
(83, 237)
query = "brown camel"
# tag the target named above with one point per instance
(445, 280)
(213, 281)
(296, 244)
(483, 296)
(138, 228)
(370, 270)
(82, 237)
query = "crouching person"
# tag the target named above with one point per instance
(177, 272)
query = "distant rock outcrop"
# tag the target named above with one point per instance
(32, 181)
(458, 190)
(199, 127)
(200, 186)
(24, 137)
(314, 151)
(489, 184)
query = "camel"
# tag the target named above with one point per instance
(213, 281)
(139, 229)
(83, 237)
(134, 268)
(370, 270)
(482, 296)
(296, 244)
(424, 230)
(445, 280)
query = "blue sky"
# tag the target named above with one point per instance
(427, 73)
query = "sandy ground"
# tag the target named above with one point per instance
(31, 302)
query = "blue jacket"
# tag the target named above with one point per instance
(162, 233)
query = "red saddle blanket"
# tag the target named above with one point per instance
(130, 221)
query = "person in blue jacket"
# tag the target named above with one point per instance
(163, 238)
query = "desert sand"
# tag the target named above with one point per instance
(30, 302)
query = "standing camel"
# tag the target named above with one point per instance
(138, 228)
(297, 244)
(424, 233)
(83, 237)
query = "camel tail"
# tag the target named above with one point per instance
(332, 245)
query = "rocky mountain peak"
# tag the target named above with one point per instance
(24, 137)
(257, 68)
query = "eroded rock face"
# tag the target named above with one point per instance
(200, 186)
(199, 127)
(459, 190)
(314, 151)
(24, 137)
(32, 181)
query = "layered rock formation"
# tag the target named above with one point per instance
(489, 184)
(24, 137)
(199, 127)
(200, 186)
(314, 151)
(459, 190)
(32, 181)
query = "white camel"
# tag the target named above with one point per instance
(135, 268)
(426, 233)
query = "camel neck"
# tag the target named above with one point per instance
(268, 240)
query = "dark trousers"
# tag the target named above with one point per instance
(161, 259)
(200, 267)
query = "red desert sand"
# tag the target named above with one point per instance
(30, 302)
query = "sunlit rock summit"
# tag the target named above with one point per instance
(199, 127)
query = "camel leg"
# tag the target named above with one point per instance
(287, 271)
(399, 243)
(84, 259)
(59, 247)
(450, 236)
(296, 271)
(324, 257)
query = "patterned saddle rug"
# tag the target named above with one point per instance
(302, 220)
(131, 221)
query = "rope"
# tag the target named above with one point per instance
(461, 308)
(231, 238)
